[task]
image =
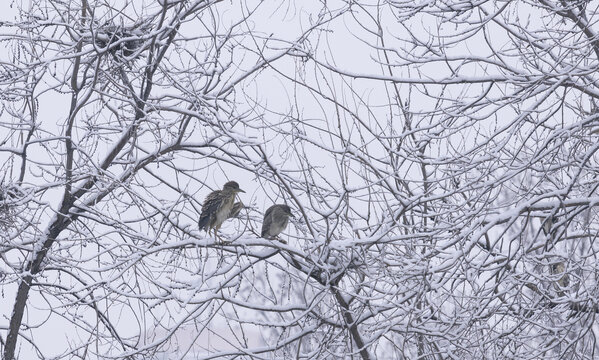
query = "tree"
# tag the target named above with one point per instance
(439, 157)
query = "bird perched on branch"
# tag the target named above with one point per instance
(217, 207)
(275, 221)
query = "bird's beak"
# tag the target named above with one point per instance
(239, 190)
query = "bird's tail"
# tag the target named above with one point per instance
(203, 222)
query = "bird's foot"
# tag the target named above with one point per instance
(281, 240)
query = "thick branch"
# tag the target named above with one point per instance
(351, 324)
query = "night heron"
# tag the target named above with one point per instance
(276, 218)
(217, 207)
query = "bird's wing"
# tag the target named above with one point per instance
(209, 208)
(235, 209)
(267, 220)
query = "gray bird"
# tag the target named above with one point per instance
(276, 218)
(217, 207)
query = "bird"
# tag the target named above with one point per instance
(217, 207)
(275, 221)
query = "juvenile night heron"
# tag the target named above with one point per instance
(218, 206)
(276, 218)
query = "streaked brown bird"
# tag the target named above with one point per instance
(275, 221)
(217, 207)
